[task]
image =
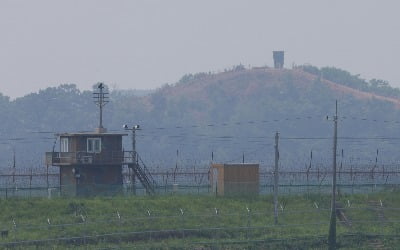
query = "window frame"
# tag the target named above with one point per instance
(64, 144)
(91, 144)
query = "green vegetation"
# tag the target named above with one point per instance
(229, 113)
(199, 221)
(343, 77)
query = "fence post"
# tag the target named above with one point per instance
(166, 183)
(47, 177)
(84, 231)
(248, 222)
(217, 223)
(30, 184)
(332, 223)
(15, 229)
(308, 186)
(150, 222)
(182, 222)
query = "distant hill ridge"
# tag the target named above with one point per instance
(245, 82)
(228, 113)
(355, 92)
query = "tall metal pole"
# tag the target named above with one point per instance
(332, 225)
(47, 177)
(276, 176)
(101, 105)
(101, 99)
(14, 166)
(134, 160)
(134, 145)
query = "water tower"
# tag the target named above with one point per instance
(279, 58)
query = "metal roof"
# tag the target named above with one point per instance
(90, 134)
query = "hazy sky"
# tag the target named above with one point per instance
(145, 43)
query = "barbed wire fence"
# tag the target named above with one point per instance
(223, 228)
(214, 227)
(352, 178)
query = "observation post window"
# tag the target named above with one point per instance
(64, 144)
(93, 145)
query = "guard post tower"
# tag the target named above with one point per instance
(90, 162)
(279, 59)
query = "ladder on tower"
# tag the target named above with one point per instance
(142, 173)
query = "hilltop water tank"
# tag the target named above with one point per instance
(279, 58)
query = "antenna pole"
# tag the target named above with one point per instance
(276, 176)
(101, 99)
(332, 225)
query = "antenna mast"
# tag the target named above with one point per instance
(101, 99)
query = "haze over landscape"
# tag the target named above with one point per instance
(153, 124)
(144, 44)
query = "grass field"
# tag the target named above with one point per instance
(369, 221)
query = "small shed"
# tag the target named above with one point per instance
(235, 179)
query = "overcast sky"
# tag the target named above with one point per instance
(144, 43)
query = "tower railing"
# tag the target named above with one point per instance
(141, 171)
(83, 157)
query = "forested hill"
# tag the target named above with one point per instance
(231, 113)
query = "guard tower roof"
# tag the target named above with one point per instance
(90, 134)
